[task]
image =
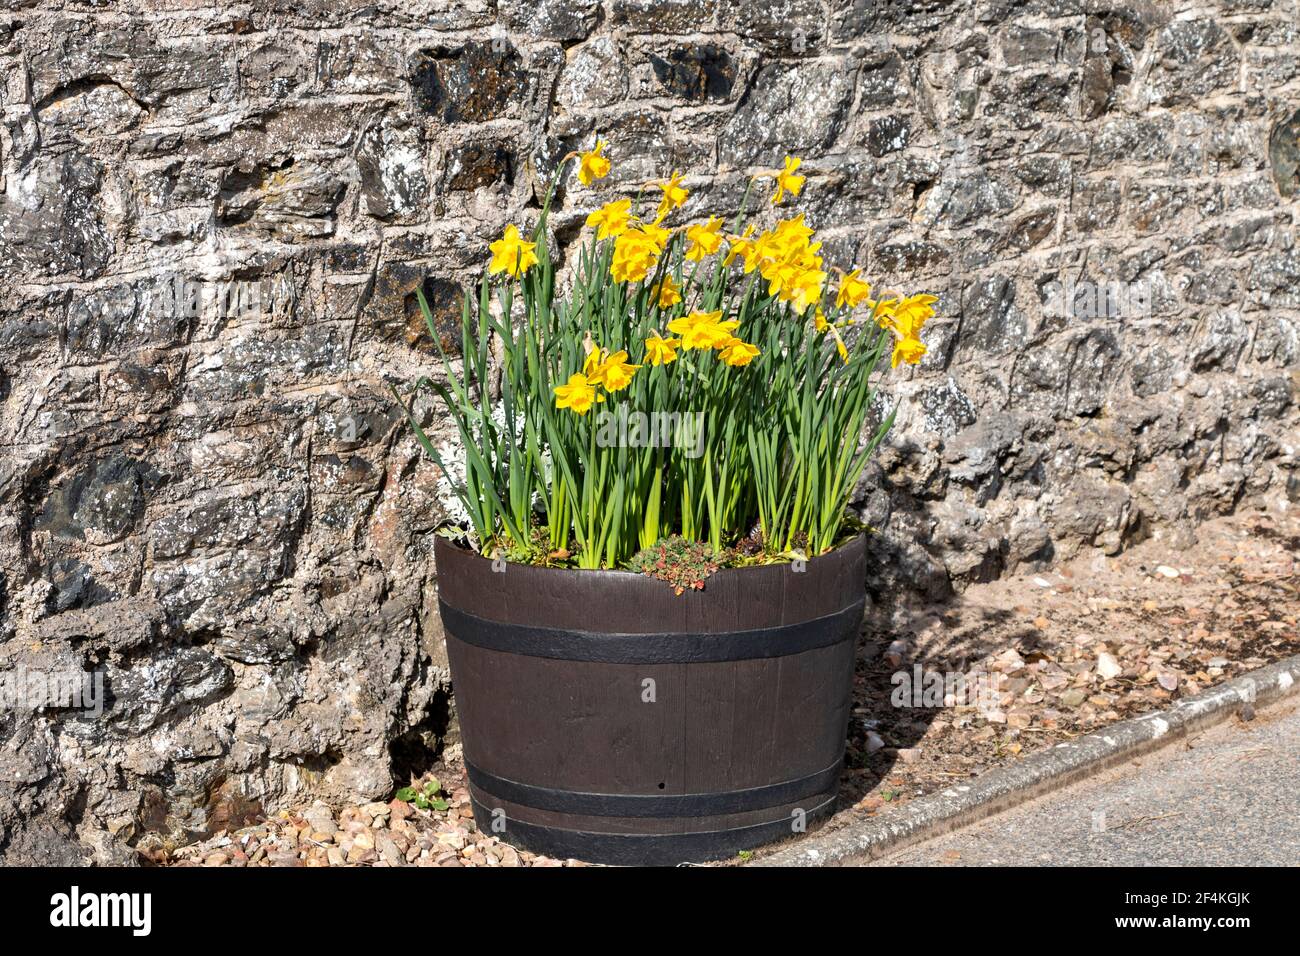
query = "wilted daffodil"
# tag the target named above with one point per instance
(667, 293)
(787, 181)
(577, 395)
(703, 239)
(511, 254)
(821, 324)
(661, 351)
(592, 165)
(674, 195)
(839, 344)
(610, 219)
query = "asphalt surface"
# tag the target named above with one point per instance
(1229, 796)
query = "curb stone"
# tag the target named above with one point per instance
(1039, 773)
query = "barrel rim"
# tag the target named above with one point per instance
(732, 600)
(444, 545)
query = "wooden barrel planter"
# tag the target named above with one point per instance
(608, 719)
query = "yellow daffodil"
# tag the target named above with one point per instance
(819, 320)
(511, 254)
(614, 372)
(667, 293)
(577, 395)
(674, 195)
(787, 181)
(636, 252)
(788, 260)
(780, 276)
(661, 351)
(630, 268)
(853, 291)
(703, 239)
(909, 315)
(690, 328)
(905, 319)
(610, 219)
(909, 350)
(703, 330)
(793, 230)
(805, 289)
(718, 335)
(883, 309)
(592, 165)
(735, 352)
(743, 246)
(656, 234)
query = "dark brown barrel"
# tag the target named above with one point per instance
(608, 719)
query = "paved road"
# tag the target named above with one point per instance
(1228, 796)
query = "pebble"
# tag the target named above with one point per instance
(1074, 697)
(388, 851)
(1107, 667)
(895, 653)
(321, 819)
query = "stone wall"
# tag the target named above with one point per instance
(213, 218)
